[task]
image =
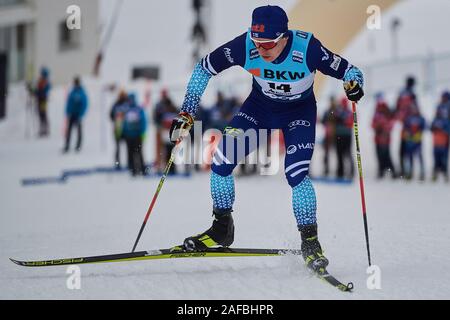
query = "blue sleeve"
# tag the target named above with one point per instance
(320, 58)
(230, 54)
(226, 56)
(195, 89)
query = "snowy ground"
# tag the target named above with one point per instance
(409, 228)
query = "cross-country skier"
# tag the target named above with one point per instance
(283, 63)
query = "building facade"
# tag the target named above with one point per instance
(34, 33)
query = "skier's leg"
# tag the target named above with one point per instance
(299, 151)
(300, 143)
(239, 139)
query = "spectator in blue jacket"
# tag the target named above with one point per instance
(413, 128)
(77, 104)
(42, 92)
(133, 131)
(343, 136)
(116, 115)
(440, 127)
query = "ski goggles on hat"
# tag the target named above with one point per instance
(267, 44)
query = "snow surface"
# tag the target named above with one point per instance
(101, 214)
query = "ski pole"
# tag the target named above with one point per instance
(361, 181)
(158, 189)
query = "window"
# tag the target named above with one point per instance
(68, 39)
(4, 3)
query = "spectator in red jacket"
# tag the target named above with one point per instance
(405, 102)
(344, 125)
(382, 124)
(440, 128)
(329, 141)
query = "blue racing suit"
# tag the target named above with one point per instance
(282, 97)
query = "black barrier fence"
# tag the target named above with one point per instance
(3, 84)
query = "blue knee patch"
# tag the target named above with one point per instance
(222, 191)
(304, 203)
(297, 172)
(222, 169)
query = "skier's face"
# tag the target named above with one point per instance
(269, 49)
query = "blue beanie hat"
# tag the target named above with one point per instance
(269, 22)
(44, 72)
(132, 98)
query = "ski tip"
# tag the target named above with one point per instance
(350, 287)
(346, 288)
(20, 263)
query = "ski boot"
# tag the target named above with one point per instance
(220, 234)
(311, 249)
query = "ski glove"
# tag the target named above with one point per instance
(353, 84)
(181, 126)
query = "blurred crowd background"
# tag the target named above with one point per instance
(129, 64)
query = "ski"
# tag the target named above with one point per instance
(175, 252)
(324, 275)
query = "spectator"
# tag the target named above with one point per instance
(414, 126)
(444, 105)
(164, 108)
(133, 131)
(441, 131)
(406, 99)
(116, 115)
(170, 112)
(382, 124)
(42, 92)
(329, 141)
(344, 125)
(77, 104)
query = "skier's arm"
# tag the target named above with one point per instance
(320, 58)
(331, 64)
(183, 123)
(224, 57)
(195, 89)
